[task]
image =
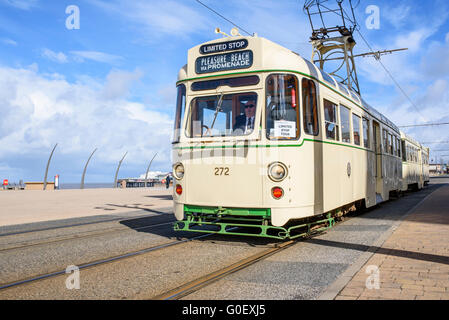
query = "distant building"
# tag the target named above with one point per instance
(436, 169)
(158, 180)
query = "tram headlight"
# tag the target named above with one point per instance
(178, 171)
(277, 171)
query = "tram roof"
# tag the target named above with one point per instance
(270, 56)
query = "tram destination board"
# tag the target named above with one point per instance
(224, 62)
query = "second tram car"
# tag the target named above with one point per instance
(267, 144)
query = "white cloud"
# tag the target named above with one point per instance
(21, 4)
(97, 56)
(39, 111)
(154, 18)
(54, 56)
(9, 42)
(118, 82)
(397, 16)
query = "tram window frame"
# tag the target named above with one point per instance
(298, 115)
(328, 103)
(230, 120)
(356, 119)
(366, 133)
(230, 82)
(404, 151)
(180, 112)
(392, 147)
(385, 141)
(312, 94)
(347, 133)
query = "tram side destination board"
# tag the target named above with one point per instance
(224, 62)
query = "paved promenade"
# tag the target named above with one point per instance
(413, 263)
(28, 206)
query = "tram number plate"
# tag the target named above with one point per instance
(222, 171)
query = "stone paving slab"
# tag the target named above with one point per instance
(413, 263)
(29, 206)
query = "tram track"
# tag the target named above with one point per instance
(197, 284)
(81, 224)
(184, 289)
(77, 236)
(99, 262)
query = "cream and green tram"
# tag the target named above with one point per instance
(415, 164)
(267, 144)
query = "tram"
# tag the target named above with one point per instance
(267, 144)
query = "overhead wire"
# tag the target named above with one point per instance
(386, 69)
(223, 17)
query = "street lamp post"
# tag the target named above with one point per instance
(48, 165)
(118, 168)
(148, 170)
(85, 168)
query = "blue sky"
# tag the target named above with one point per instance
(111, 83)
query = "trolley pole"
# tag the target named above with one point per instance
(85, 168)
(148, 170)
(118, 168)
(48, 165)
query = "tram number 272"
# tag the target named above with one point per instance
(222, 171)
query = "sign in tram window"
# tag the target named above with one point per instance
(356, 126)
(331, 120)
(224, 62)
(282, 110)
(345, 124)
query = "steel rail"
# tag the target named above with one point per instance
(206, 280)
(83, 223)
(99, 262)
(90, 235)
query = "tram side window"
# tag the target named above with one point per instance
(180, 109)
(345, 124)
(392, 148)
(404, 151)
(310, 110)
(331, 120)
(356, 126)
(282, 107)
(398, 141)
(385, 141)
(366, 133)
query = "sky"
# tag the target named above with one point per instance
(109, 83)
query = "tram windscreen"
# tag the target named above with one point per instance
(222, 115)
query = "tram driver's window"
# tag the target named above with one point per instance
(309, 105)
(282, 108)
(331, 120)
